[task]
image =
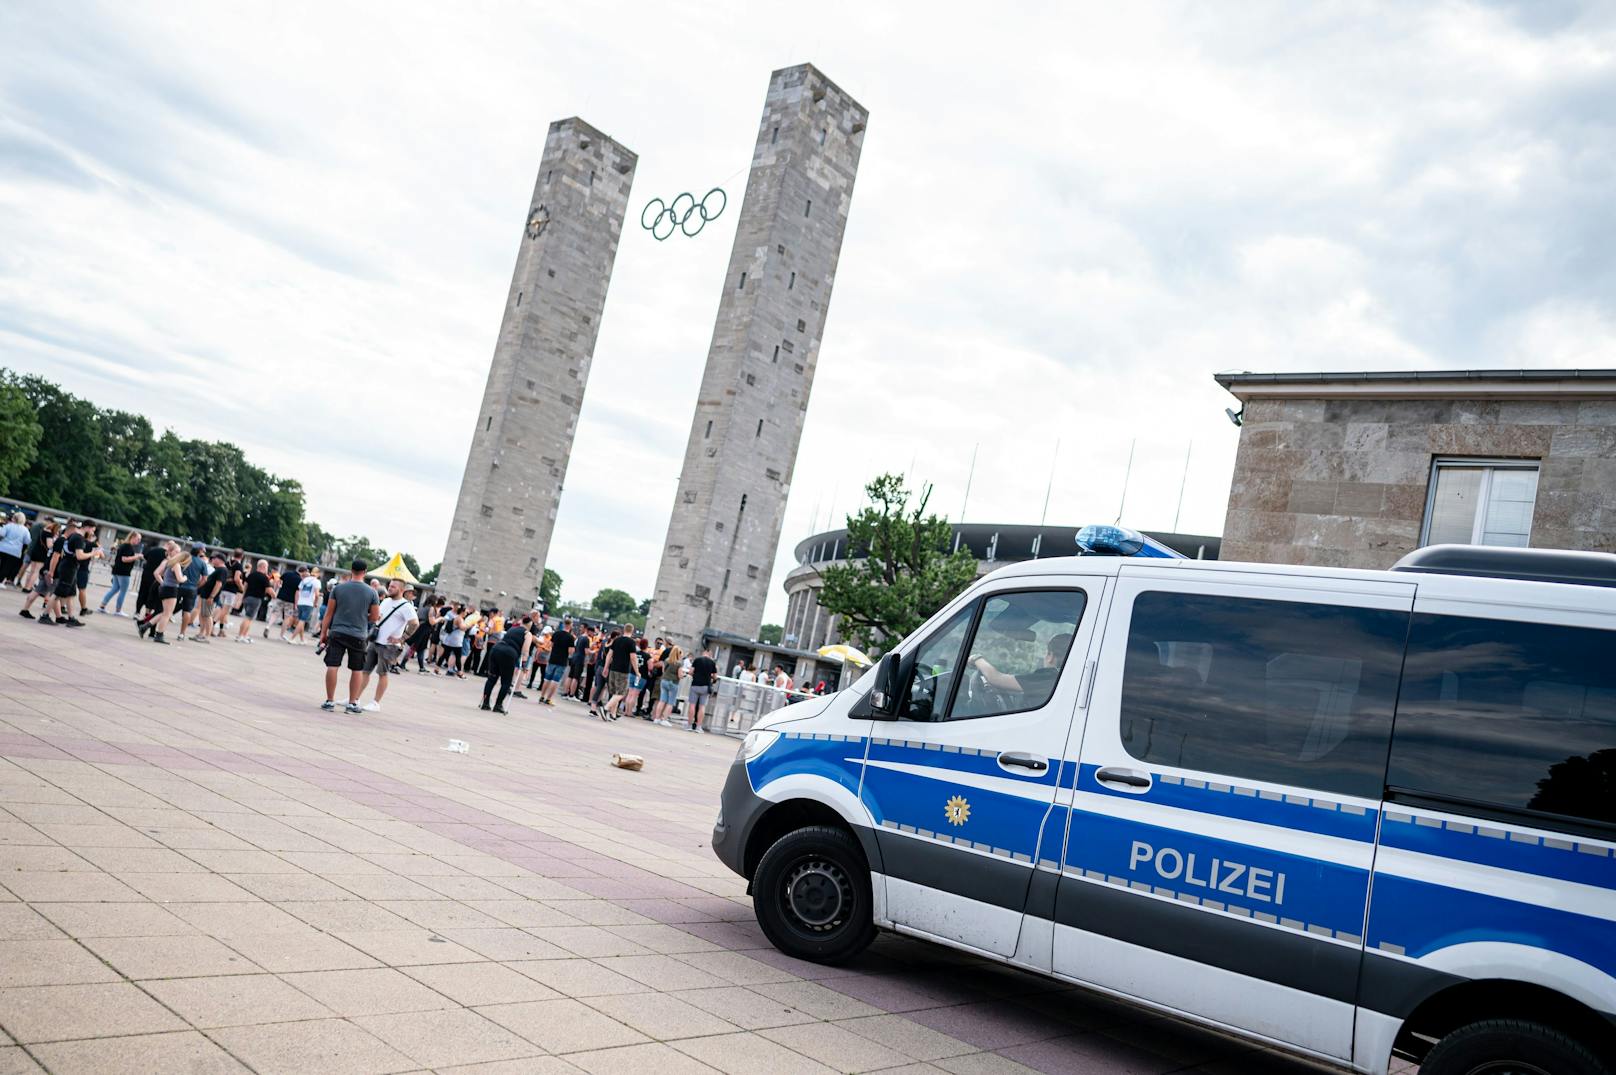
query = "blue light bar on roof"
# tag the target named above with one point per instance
(1120, 541)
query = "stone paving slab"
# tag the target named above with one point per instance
(201, 871)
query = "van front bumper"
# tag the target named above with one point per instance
(739, 807)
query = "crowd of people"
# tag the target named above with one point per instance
(187, 593)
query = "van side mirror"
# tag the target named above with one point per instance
(884, 695)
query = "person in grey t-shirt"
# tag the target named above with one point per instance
(350, 608)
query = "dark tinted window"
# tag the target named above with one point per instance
(1519, 715)
(1278, 691)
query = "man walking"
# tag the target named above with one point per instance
(308, 593)
(283, 610)
(350, 609)
(229, 597)
(504, 653)
(397, 618)
(619, 658)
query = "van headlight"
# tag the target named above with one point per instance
(756, 742)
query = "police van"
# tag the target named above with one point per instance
(1350, 814)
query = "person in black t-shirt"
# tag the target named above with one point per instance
(124, 558)
(69, 552)
(619, 658)
(150, 603)
(703, 670)
(561, 642)
(230, 596)
(92, 544)
(207, 592)
(255, 592)
(283, 610)
(1036, 685)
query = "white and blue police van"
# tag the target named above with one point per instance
(1349, 814)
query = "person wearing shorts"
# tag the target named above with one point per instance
(308, 592)
(703, 670)
(257, 592)
(350, 609)
(13, 548)
(397, 620)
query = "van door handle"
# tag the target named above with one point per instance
(1024, 761)
(1131, 779)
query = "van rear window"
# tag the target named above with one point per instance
(1516, 715)
(1284, 692)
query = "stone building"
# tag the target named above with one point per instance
(1357, 469)
(730, 505)
(506, 510)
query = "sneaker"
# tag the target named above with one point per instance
(518, 694)
(372, 707)
(84, 612)
(352, 707)
(501, 711)
(102, 610)
(601, 713)
(664, 723)
(329, 706)
(121, 615)
(247, 639)
(484, 704)
(157, 637)
(25, 614)
(46, 620)
(548, 701)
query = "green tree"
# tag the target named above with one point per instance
(899, 568)
(771, 633)
(550, 590)
(614, 604)
(358, 547)
(71, 436)
(19, 435)
(430, 575)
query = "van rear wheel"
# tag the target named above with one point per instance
(1510, 1047)
(811, 894)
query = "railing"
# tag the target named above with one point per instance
(736, 704)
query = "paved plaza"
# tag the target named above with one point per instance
(202, 872)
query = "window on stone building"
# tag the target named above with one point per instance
(1480, 502)
(759, 432)
(742, 285)
(709, 432)
(792, 282)
(809, 208)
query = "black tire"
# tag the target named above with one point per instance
(811, 894)
(1510, 1047)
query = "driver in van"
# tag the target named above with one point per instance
(1038, 683)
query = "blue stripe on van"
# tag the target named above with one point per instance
(1420, 918)
(1316, 893)
(960, 761)
(1528, 857)
(793, 755)
(1303, 815)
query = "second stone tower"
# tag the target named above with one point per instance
(719, 554)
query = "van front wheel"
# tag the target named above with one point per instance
(811, 894)
(1510, 1047)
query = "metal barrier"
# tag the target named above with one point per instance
(737, 704)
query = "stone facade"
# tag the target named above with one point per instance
(506, 510)
(725, 527)
(1344, 481)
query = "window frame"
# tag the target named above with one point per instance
(980, 602)
(1489, 464)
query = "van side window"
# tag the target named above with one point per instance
(1286, 692)
(1516, 715)
(1017, 653)
(936, 661)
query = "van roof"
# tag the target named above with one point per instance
(1454, 587)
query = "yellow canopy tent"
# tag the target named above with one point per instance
(394, 569)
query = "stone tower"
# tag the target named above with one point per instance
(507, 505)
(727, 515)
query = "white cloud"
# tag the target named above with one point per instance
(293, 227)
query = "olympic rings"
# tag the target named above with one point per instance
(677, 214)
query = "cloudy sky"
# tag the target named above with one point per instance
(292, 226)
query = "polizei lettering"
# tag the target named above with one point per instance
(1216, 875)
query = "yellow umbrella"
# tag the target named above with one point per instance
(844, 654)
(395, 569)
